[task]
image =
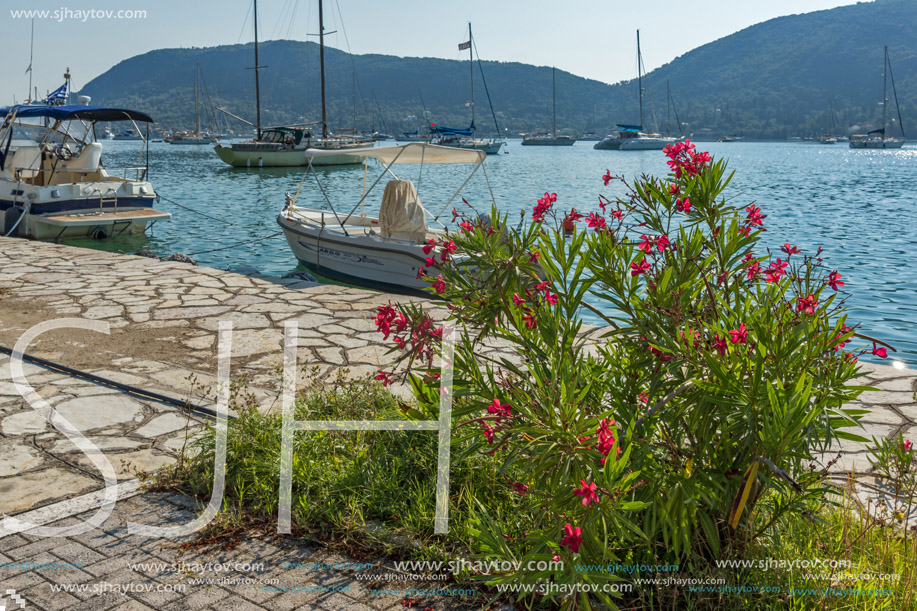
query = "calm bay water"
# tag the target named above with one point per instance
(859, 205)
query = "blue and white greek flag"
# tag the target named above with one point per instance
(58, 96)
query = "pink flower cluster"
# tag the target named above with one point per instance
(683, 161)
(543, 207)
(419, 336)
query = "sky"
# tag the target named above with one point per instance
(591, 38)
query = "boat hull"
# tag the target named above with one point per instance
(61, 220)
(241, 158)
(356, 259)
(876, 144)
(549, 142)
(607, 144)
(645, 144)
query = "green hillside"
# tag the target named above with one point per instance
(772, 80)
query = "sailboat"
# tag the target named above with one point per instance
(632, 137)
(465, 138)
(291, 145)
(877, 138)
(553, 139)
(196, 136)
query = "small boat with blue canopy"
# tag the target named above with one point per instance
(53, 184)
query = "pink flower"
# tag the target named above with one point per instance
(661, 242)
(587, 492)
(639, 268)
(488, 433)
(430, 262)
(880, 352)
(674, 189)
(529, 319)
(719, 344)
(595, 221)
(606, 438)
(440, 285)
(617, 214)
(466, 227)
(907, 445)
(608, 177)
(533, 257)
(429, 246)
(754, 215)
(517, 299)
(806, 304)
(522, 489)
(789, 249)
(754, 269)
(834, 280)
(775, 271)
(683, 205)
(499, 409)
(572, 538)
(740, 335)
(384, 378)
(556, 558)
(646, 245)
(550, 297)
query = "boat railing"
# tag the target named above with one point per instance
(36, 176)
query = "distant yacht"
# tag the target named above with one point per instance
(553, 139)
(878, 138)
(127, 134)
(465, 138)
(196, 136)
(632, 137)
(291, 145)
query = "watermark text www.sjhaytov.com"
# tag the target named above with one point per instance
(83, 15)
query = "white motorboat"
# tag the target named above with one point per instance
(53, 185)
(383, 251)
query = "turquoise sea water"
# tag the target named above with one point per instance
(859, 205)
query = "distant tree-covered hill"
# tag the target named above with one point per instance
(772, 80)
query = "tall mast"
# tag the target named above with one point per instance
(197, 114)
(257, 84)
(640, 78)
(471, 72)
(31, 50)
(321, 57)
(668, 106)
(884, 89)
(554, 97)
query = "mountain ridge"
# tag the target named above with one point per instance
(774, 79)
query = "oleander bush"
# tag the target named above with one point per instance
(686, 427)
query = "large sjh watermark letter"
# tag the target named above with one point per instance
(290, 425)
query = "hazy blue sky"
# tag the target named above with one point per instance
(591, 38)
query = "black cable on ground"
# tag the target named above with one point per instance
(131, 390)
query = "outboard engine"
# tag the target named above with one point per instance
(8, 220)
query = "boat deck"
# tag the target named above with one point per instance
(96, 218)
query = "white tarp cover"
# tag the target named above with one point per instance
(415, 152)
(402, 215)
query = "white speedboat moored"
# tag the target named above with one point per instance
(384, 251)
(52, 181)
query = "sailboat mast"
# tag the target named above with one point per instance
(554, 97)
(197, 114)
(884, 90)
(640, 78)
(31, 53)
(321, 57)
(257, 83)
(471, 72)
(668, 107)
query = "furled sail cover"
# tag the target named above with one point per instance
(402, 215)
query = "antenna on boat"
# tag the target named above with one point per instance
(640, 78)
(471, 66)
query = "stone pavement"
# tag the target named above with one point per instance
(163, 318)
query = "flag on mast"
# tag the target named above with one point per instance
(29, 69)
(465, 46)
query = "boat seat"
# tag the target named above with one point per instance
(78, 168)
(402, 216)
(27, 159)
